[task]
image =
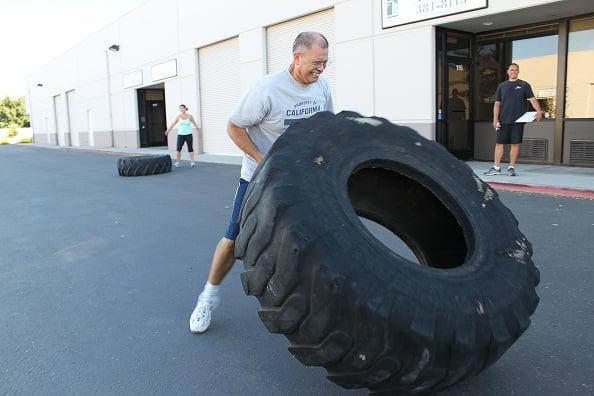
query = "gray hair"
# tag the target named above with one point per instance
(305, 40)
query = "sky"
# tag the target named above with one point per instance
(33, 32)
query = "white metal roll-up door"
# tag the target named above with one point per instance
(280, 37)
(220, 91)
(70, 114)
(60, 120)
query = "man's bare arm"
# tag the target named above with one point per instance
(242, 140)
(496, 109)
(536, 106)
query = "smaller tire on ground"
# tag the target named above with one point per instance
(145, 165)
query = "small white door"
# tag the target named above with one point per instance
(70, 118)
(59, 119)
(90, 127)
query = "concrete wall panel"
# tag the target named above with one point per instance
(405, 76)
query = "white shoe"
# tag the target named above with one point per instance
(176, 164)
(202, 314)
(193, 164)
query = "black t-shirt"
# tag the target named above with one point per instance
(513, 96)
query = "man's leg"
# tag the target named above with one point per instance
(496, 168)
(208, 300)
(222, 261)
(500, 142)
(516, 139)
(513, 154)
(498, 153)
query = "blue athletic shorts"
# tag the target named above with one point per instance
(233, 228)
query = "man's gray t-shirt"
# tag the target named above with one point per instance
(269, 108)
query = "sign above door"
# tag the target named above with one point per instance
(402, 12)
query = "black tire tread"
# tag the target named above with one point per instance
(276, 244)
(144, 165)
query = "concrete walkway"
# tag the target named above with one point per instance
(547, 179)
(219, 159)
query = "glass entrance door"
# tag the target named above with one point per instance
(454, 112)
(458, 109)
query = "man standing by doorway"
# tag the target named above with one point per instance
(510, 104)
(264, 113)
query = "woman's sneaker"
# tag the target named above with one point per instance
(494, 170)
(176, 164)
(511, 171)
(202, 314)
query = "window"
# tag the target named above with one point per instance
(579, 93)
(537, 58)
(488, 76)
(458, 46)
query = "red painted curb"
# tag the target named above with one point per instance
(548, 190)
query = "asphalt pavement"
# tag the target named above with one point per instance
(99, 273)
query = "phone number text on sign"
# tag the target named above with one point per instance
(401, 12)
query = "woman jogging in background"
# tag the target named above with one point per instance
(184, 134)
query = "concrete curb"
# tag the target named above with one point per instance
(546, 190)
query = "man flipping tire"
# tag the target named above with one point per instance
(265, 112)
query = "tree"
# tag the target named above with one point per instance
(13, 112)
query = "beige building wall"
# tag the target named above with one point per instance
(580, 85)
(384, 72)
(541, 73)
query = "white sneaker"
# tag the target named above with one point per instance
(193, 164)
(202, 314)
(176, 164)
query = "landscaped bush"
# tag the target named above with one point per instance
(13, 135)
(25, 139)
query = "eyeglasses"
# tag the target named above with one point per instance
(318, 64)
(325, 63)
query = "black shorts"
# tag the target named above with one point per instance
(510, 133)
(189, 139)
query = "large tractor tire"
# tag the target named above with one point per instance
(347, 302)
(144, 165)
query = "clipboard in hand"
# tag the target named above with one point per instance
(528, 116)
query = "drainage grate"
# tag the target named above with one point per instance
(581, 152)
(531, 150)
